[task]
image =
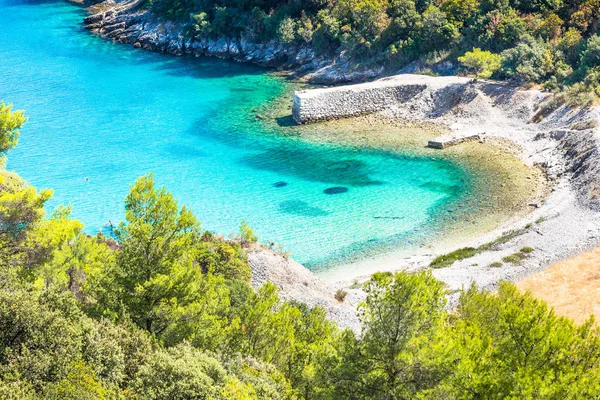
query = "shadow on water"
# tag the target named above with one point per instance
(335, 190)
(286, 122)
(313, 164)
(203, 67)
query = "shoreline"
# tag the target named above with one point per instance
(566, 224)
(123, 22)
(503, 182)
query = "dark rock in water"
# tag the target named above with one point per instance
(335, 190)
(280, 184)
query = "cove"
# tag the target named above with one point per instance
(103, 114)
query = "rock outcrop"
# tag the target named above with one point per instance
(126, 22)
(349, 101)
(299, 284)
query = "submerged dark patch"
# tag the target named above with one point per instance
(280, 184)
(335, 190)
(317, 164)
(299, 207)
(440, 187)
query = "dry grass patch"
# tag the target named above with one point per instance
(340, 295)
(572, 287)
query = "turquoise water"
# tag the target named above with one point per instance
(103, 114)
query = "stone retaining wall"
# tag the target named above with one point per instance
(347, 101)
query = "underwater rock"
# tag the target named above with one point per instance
(335, 190)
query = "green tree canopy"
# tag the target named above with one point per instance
(10, 123)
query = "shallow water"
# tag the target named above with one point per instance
(103, 114)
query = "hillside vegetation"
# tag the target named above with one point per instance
(550, 42)
(165, 311)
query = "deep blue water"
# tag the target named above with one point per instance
(103, 114)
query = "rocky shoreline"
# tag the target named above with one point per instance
(126, 22)
(561, 140)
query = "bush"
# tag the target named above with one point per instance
(482, 63)
(448, 259)
(340, 295)
(526, 61)
(247, 235)
(286, 32)
(171, 373)
(591, 56)
(516, 258)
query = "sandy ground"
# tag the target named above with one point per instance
(572, 287)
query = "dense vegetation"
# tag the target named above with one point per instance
(166, 311)
(554, 42)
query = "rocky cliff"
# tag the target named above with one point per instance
(127, 22)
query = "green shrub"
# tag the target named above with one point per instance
(446, 260)
(482, 63)
(591, 56)
(247, 235)
(527, 61)
(286, 32)
(356, 285)
(527, 250)
(515, 258)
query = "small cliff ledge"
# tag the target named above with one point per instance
(296, 283)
